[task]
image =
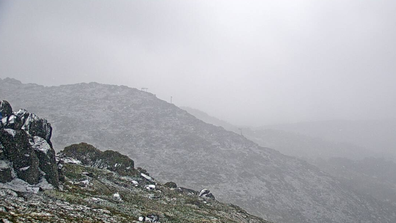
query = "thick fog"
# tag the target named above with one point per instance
(247, 62)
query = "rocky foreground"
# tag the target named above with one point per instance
(83, 184)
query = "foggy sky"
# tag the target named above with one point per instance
(246, 62)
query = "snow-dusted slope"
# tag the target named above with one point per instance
(178, 147)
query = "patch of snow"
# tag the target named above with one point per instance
(11, 119)
(4, 120)
(85, 182)
(97, 199)
(24, 168)
(4, 164)
(150, 187)
(117, 196)
(20, 186)
(135, 183)
(147, 177)
(71, 160)
(204, 191)
(45, 185)
(11, 132)
(40, 144)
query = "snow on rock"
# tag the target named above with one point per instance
(24, 168)
(135, 183)
(71, 160)
(147, 177)
(34, 125)
(4, 164)
(25, 143)
(205, 193)
(40, 144)
(10, 131)
(150, 187)
(20, 186)
(4, 121)
(117, 196)
(12, 119)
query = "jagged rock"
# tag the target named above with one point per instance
(34, 125)
(111, 160)
(46, 155)
(18, 151)
(25, 142)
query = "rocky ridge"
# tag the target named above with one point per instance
(178, 147)
(88, 185)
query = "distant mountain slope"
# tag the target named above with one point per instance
(290, 143)
(178, 147)
(373, 176)
(377, 136)
(354, 166)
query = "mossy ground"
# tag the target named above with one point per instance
(87, 196)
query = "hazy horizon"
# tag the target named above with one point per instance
(246, 62)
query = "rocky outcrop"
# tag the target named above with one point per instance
(25, 148)
(205, 193)
(90, 156)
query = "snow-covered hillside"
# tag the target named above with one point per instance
(176, 146)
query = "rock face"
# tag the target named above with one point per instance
(175, 146)
(25, 148)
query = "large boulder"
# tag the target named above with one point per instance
(90, 156)
(25, 148)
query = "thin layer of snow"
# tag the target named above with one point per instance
(40, 144)
(11, 132)
(20, 186)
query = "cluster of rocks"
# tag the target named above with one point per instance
(25, 148)
(88, 155)
(29, 207)
(95, 186)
